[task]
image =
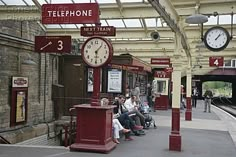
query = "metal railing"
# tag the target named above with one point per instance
(3, 140)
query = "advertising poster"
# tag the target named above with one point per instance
(114, 81)
(91, 79)
(20, 106)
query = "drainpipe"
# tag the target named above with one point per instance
(44, 90)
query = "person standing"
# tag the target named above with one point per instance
(194, 97)
(149, 96)
(208, 96)
(136, 92)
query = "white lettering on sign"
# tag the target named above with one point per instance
(66, 13)
(216, 62)
(103, 29)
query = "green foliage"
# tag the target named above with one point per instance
(219, 88)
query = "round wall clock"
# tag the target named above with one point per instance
(97, 51)
(216, 38)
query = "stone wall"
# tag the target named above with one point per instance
(16, 47)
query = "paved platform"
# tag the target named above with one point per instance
(207, 135)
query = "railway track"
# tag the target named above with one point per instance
(225, 104)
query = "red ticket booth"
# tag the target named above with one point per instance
(160, 86)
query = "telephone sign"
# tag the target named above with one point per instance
(53, 44)
(216, 61)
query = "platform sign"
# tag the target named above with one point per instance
(76, 13)
(216, 61)
(160, 61)
(53, 44)
(168, 69)
(98, 30)
(161, 74)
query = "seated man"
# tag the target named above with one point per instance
(131, 106)
(123, 117)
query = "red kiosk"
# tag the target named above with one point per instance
(160, 87)
(94, 122)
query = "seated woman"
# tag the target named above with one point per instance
(116, 125)
(117, 128)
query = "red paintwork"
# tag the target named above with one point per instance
(59, 44)
(216, 61)
(160, 61)
(188, 113)
(162, 102)
(94, 128)
(223, 71)
(175, 137)
(96, 87)
(58, 13)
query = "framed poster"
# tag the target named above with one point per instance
(114, 81)
(91, 79)
(20, 106)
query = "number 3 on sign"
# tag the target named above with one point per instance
(60, 45)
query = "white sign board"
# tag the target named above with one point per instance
(114, 81)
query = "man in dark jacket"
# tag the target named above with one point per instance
(208, 96)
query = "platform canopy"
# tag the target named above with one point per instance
(135, 22)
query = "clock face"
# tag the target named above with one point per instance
(97, 51)
(216, 38)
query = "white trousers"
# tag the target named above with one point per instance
(117, 128)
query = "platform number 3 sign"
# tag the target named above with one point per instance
(53, 44)
(216, 61)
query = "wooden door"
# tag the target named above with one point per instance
(74, 83)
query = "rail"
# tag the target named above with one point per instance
(72, 126)
(5, 141)
(225, 104)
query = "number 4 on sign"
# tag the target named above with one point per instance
(216, 61)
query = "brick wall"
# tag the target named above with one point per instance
(16, 46)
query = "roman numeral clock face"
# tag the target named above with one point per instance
(216, 38)
(97, 51)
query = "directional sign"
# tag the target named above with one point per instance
(161, 74)
(216, 61)
(160, 61)
(168, 69)
(98, 30)
(53, 44)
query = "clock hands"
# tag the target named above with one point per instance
(218, 36)
(96, 53)
(99, 48)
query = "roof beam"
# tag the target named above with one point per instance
(119, 6)
(221, 8)
(120, 33)
(169, 14)
(3, 2)
(130, 10)
(144, 25)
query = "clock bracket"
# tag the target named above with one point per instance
(231, 25)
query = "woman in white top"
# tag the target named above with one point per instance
(117, 127)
